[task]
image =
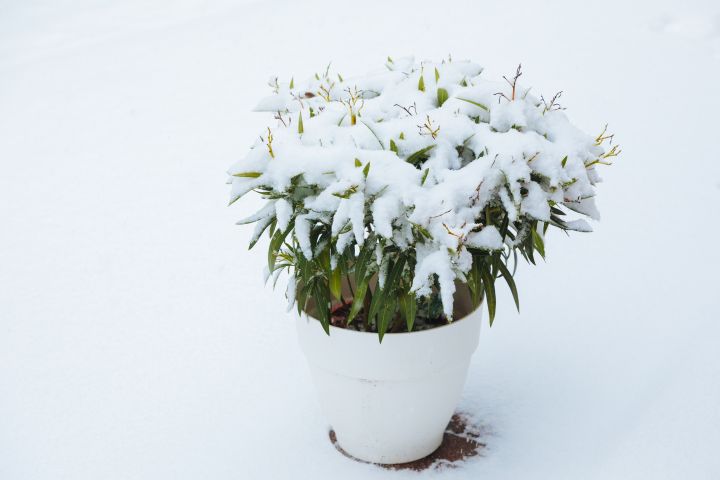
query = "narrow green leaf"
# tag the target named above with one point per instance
(357, 304)
(347, 193)
(475, 283)
(384, 317)
(366, 170)
(301, 129)
(437, 75)
(564, 161)
(393, 146)
(419, 156)
(361, 279)
(383, 302)
(477, 104)
(361, 262)
(324, 259)
(528, 249)
(402, 136)
(300, 300)
(424, 177)
(489, 286)
(323, 305)
(375, 304)
(538, 242)
(409, 308)
(442, 96)
(374, 133)
(247, 174)
(276, 242)
(335, 282)
(510, 281)
(421, 84)
(358, 163)
(264, 223)
(423, 231)
(292, 83)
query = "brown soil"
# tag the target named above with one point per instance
(339, 314)
(461, 441)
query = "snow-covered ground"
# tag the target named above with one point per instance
(137, 340)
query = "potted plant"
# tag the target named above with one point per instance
(394, 201)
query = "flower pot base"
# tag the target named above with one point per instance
(461, 440)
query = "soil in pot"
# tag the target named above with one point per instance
(431, 317)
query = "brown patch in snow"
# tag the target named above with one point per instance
(461, 441)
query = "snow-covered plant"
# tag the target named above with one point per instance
(405, 181)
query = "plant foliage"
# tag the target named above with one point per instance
(378, 206)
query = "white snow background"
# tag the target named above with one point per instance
(137, 340)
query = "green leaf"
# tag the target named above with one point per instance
(375, 303)
(419, 156)
(422, 230)
(340, 77)
(421, 84)
(528, 249)
(366, 170)
(264, 225)
(322, 301)
(474, 103)
(510, 281)
(361, 262)
(374, 133)
(276, 242)
(247, 174)
(273, 225)
(347, 193)
(387, 302)
(475, 283)
(409, 309)
(489, 286)
(335, 282)
(361, 279)
(292, 83)
(301, 129)
(360, 292)
(386, 313)
(437, 75)
(424, 176)
(539, 243)
(564, 161)
(442, 96)
(402, 136)
(358, 163)
(393, 146)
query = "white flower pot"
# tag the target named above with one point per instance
(389, 402)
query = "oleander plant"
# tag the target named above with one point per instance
(385, 192)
